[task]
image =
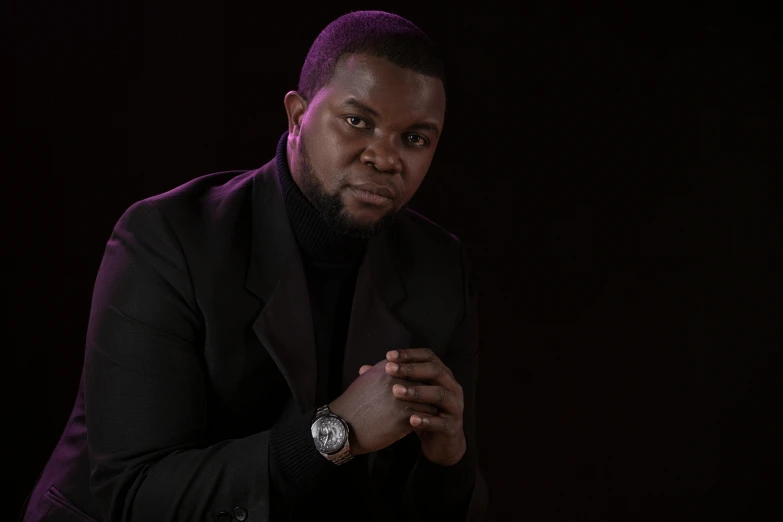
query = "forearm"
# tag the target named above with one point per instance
(194, 484)
(198, 483)
(452, 493)
(149, 456)
(436, 492)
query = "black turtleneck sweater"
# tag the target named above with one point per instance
(302, 480)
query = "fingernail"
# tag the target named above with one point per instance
(415, 420)
(392, 355)
(392, 367)
(399, 388)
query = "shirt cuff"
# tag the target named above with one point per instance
(295, 466)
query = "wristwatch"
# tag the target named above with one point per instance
(330, 435)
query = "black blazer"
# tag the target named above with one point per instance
(200, 338)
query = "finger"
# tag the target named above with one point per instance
(411, 355)
(445, 424)
(413, 408)
(364, 368)
(443, 399)
(434, 372)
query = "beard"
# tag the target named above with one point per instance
(331, 207)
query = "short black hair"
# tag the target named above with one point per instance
(377, 33)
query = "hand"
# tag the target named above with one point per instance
(441, 434)
(376, 418)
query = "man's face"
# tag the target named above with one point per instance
(374, 126)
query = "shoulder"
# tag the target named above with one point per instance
(202, 190)
(424, 228)
(428, 256)
(433, 268)
(216, 197)
(425, 239)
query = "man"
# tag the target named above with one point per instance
(291, 341)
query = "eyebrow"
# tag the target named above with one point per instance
(426, 126)
(356, 104)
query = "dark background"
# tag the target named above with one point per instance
(609, 169)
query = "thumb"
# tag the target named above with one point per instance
(364, 368)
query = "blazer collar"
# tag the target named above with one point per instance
(285, 325)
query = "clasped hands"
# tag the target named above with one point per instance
(442, 436)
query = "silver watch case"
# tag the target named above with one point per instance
(331, 436)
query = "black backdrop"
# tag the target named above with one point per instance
(609, 169)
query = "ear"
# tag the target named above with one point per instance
(295, 107)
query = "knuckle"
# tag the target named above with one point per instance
(447, 427)
(441, 394)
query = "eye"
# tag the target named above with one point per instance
(357, 122)
(416, 139)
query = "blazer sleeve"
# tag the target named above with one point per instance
(145, 397)
(459, 492)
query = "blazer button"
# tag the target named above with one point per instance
(240, 513)
(224, 516)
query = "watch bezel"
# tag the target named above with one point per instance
(320, 420)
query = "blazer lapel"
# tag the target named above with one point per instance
(285, 325)
(276, 276)
(285, 328)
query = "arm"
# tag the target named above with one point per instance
(457, 492)
(145, 391)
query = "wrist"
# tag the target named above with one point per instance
(356, 447)
(449, 455)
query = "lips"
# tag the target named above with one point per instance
(376, 189)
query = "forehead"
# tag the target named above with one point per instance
(389, 88)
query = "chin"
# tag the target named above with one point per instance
(361, 222)
(366, 217)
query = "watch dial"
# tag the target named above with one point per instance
(328, 434)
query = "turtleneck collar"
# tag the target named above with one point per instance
(316, 239)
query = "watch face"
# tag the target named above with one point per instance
(328, 434)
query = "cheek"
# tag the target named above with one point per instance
(333, 153)
(416, 171)
(320, 154)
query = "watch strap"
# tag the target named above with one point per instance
(322, 411)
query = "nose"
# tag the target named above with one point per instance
(383, 154)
